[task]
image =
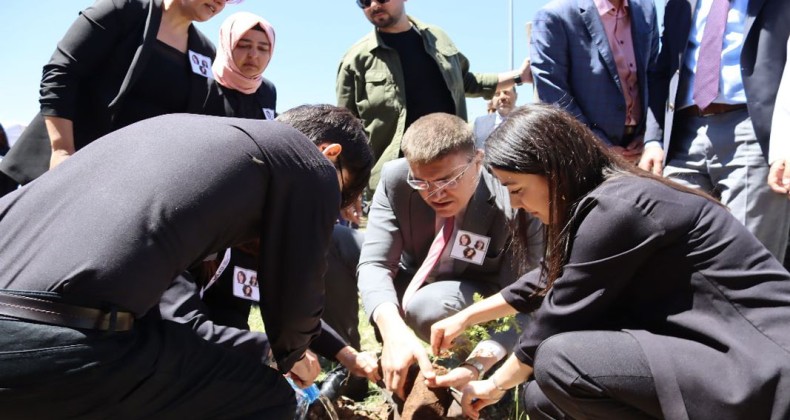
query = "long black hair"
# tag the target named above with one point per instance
(545, 140)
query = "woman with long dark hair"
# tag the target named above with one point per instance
(653, 301)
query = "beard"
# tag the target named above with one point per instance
(383, 19)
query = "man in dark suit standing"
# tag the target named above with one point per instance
(428, 209)
(591, 58)
(88, 249)
(712, 95)
(503, 102)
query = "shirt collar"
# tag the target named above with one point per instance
(499, 118)
(374, 40)
(605, 6)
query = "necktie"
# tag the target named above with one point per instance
(434, 252)
(706, 81)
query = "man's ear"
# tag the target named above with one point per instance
(330, 150)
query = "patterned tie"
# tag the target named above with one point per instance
(437, 247)
(706, 82)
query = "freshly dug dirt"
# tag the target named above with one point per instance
(425, 403)
(351, 410)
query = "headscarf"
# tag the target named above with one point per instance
(225, 70)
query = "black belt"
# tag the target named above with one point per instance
(712, 109)
(63, 314)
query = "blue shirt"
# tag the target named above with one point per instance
(731, 89)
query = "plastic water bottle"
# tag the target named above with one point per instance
(304, 397)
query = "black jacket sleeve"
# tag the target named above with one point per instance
(613, 239)
(181, 303)
(82, 52)
(296, 226)
(328, 343)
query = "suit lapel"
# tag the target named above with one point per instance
(152, 22)
(752, 10)
(491, 122)
(422, 226)
(488, 126)
(479, 215)
(198, 85)
(641, 41)
(592, 21)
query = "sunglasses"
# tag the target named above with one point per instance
(364, 4)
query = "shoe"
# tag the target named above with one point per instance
(335, 383)
(356, 388)
(339, 382)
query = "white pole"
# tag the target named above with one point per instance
(510, 35)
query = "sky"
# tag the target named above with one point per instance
(312, 37)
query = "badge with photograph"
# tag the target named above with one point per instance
(245, 285)
(470, 247)
(200, 64)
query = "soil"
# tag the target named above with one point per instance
(425, 403)
(351, 410)
(422, 403)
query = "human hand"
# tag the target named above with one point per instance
(353, 213)
(363, 364)
(652, 160)
(456, 378)
(779, 177)
(477, 395)
(396, 357)
(57, 157)
(634, 150)
(526, 71)
(305, 370)
(445, 331)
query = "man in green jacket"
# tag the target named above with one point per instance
(405, 69)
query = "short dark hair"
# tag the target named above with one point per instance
(328, 123)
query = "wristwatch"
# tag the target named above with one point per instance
(517, 80)
(476, 365)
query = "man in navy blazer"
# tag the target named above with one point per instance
(581, 62)
(723, 148)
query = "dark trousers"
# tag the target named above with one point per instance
(591, 375)
(159, 370)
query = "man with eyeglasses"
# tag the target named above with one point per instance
(413, 270)
(405, 69)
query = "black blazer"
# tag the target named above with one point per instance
(222, 319)
(192, 185)
(226, 102)
(762, 61)
(708, 304)
(100, 58)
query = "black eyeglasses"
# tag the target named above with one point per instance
(364, 4)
